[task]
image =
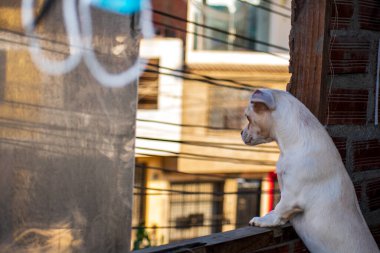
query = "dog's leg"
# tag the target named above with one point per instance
(283, 211)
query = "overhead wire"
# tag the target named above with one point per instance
(186, 125)
(207, 9)
(220, 30)
(204, 76)
(210, 82)
(189, 226)
(212, 193)
(197, 24)
(204, 144)
(192, 174)
(219, 40)
(194, 156)
(266, 9)
(276, 4)
(96, 69)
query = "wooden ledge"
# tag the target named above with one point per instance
(242, 240)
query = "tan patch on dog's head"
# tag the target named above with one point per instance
(260, 107)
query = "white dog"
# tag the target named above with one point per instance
(317, 195)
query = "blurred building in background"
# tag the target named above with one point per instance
(194, 176)
(66, 142)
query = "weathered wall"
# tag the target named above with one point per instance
(66, 143)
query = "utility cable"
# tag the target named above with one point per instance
(212, 193)
(266, 9)
(202, 80)
(189, 226)
(204, 144)
(220, 30)
(204, 76)
(193, 156)
(205, 175)
(218, 40)
(207, 79)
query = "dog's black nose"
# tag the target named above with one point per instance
(241, 133)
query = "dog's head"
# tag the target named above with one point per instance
(259, 116)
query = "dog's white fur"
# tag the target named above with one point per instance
(317, 195)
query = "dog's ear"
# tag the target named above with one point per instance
(265, 97)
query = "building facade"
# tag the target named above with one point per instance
(196, 176)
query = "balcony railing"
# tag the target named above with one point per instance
(242, 240)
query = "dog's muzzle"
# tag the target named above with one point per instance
(245, 137)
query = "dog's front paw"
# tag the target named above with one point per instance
(269, 220)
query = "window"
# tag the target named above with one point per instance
(139, 196)
(248, 201)
(195, 214)
(233, 17)
(148, 87)
(226, 108)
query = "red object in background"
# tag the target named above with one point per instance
(272, 177)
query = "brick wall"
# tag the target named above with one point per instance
(342, 91)
(354, 35)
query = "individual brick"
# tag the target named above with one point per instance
(347, 107)
(369, 15)
(366, 155)
(349, 55)
(342, 13)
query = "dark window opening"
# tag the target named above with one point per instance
(195, 215)
(148, 87)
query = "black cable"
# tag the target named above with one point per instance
(200, 126)
(216, 176)
(215, 193)
(204, 76)
(154, 71)
(201, 80)
(218, 40)
(205, 144)
(205, 175)
(275, 4)
(220, 30)
(209, 80)
(187, 125)
(190, 226)
(206, 37)
(267, 9)
(198, 158)
(211, 158)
